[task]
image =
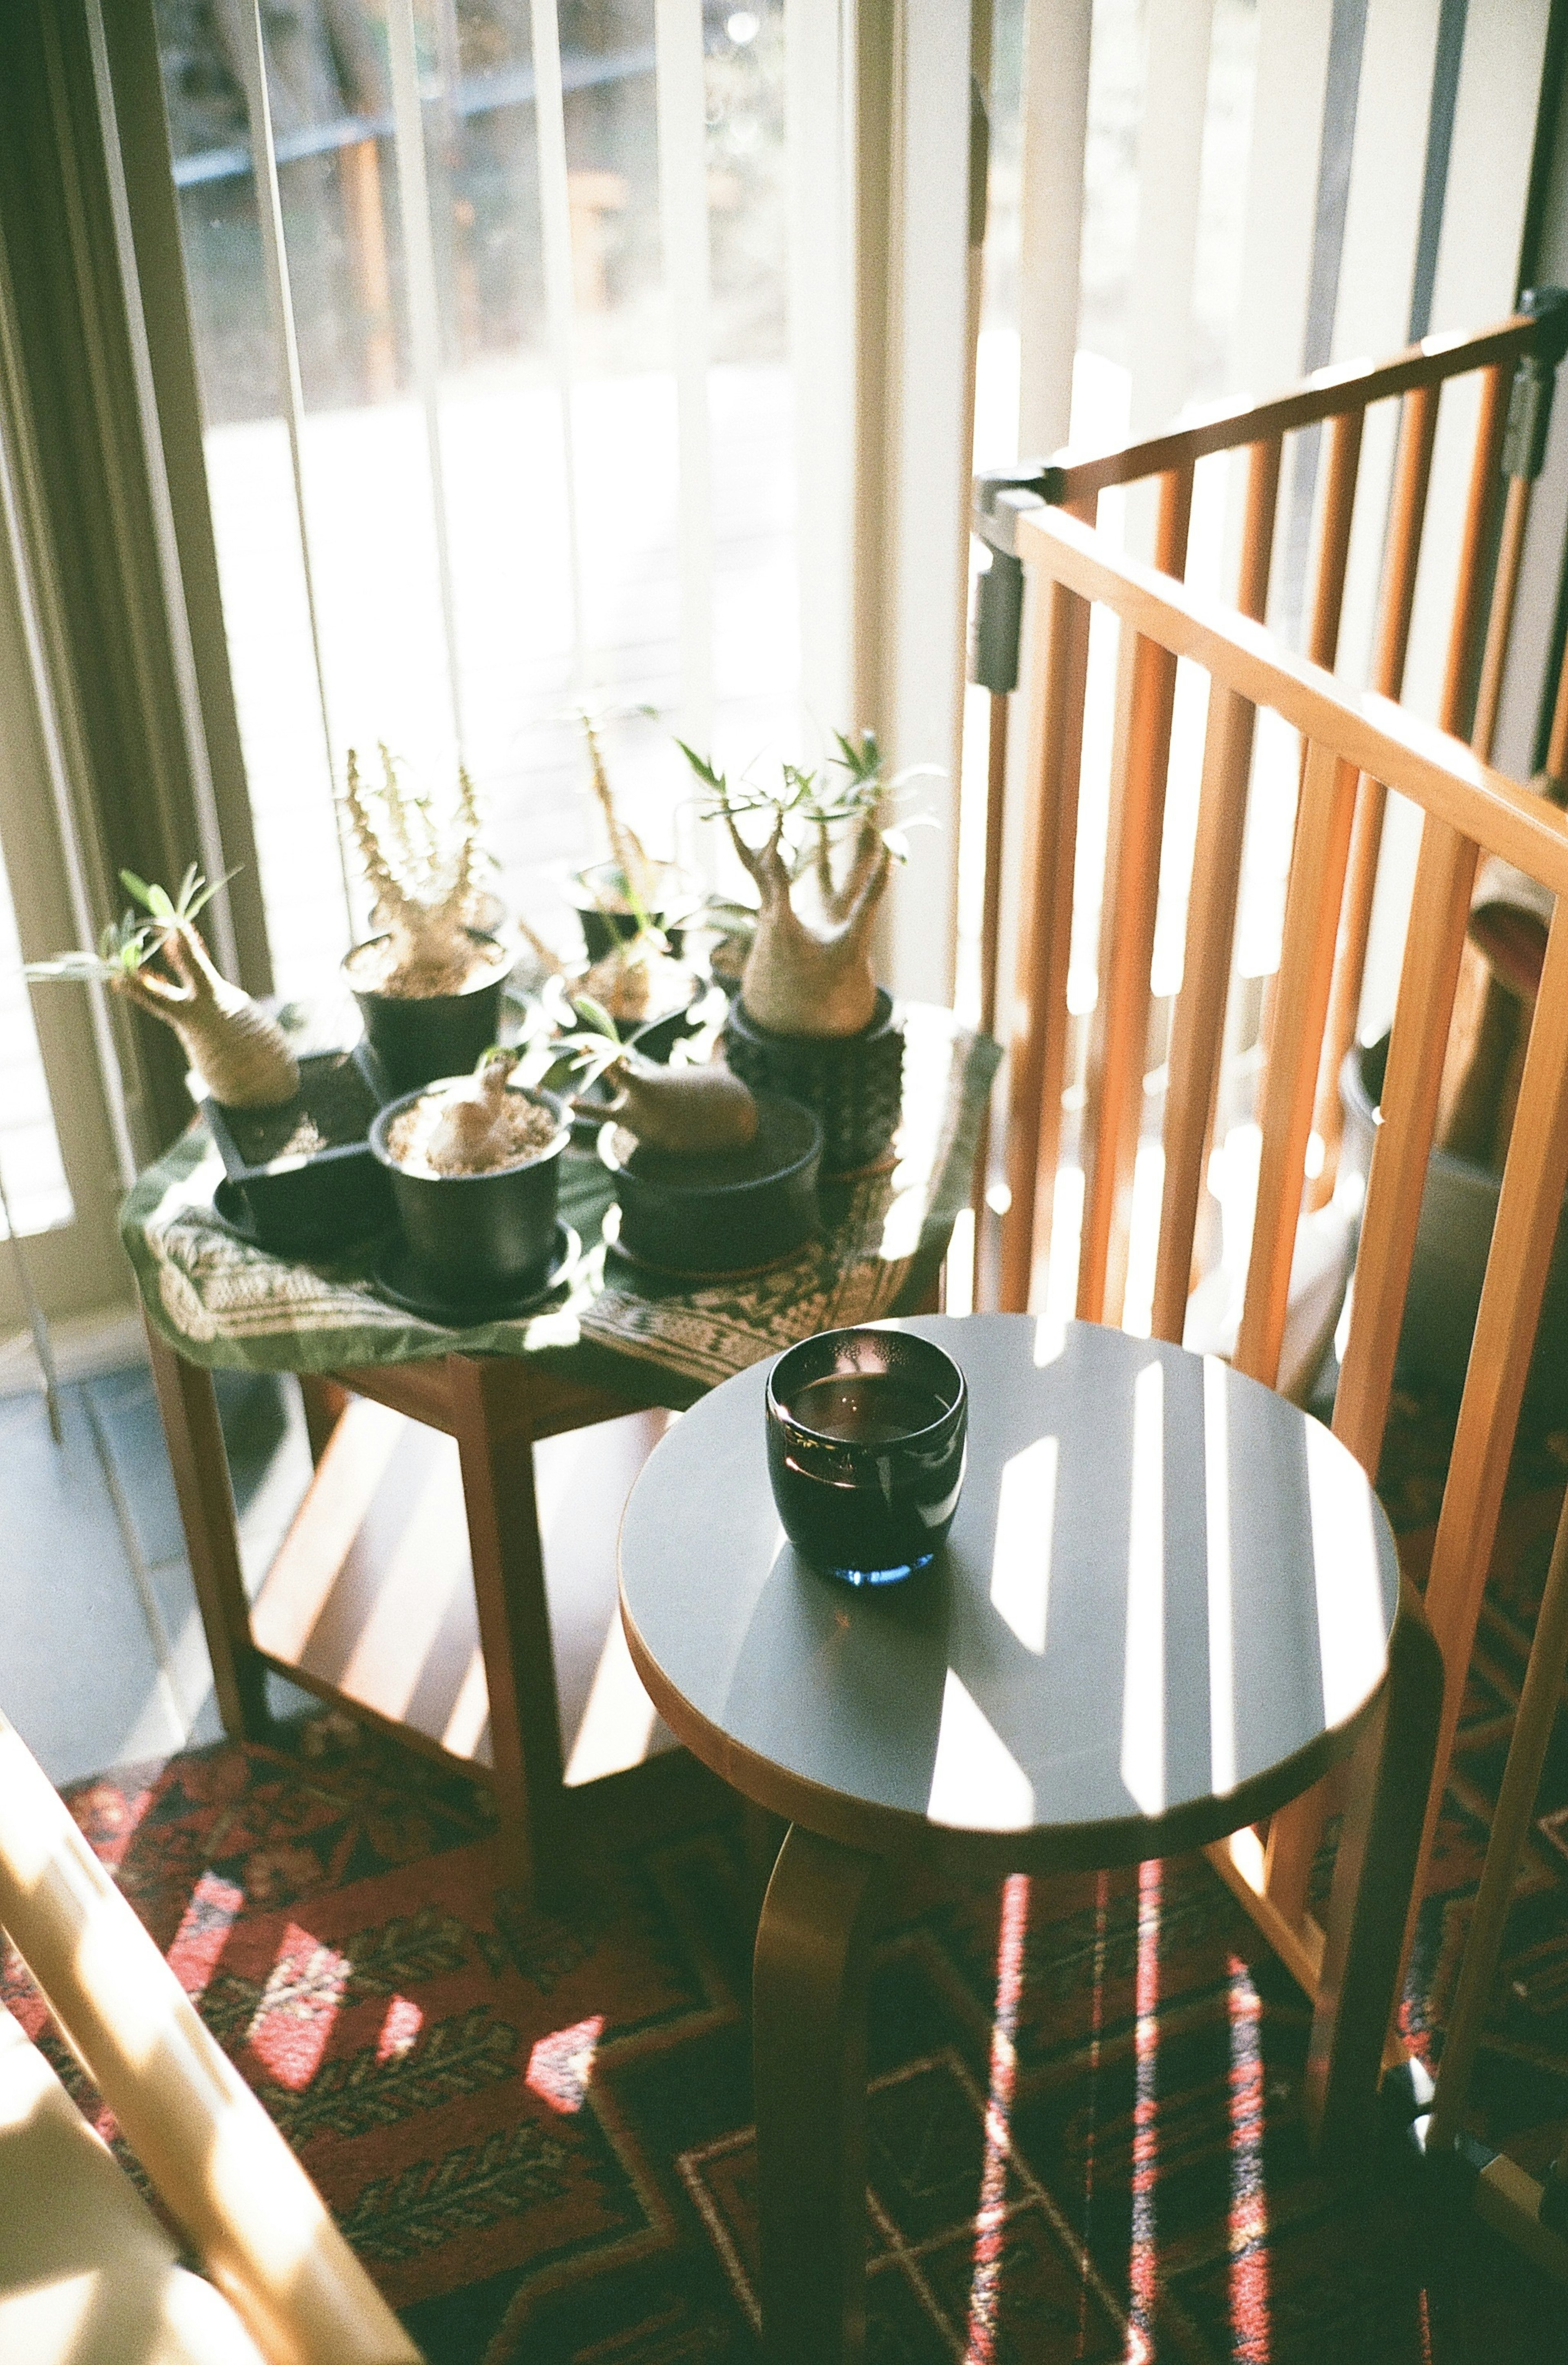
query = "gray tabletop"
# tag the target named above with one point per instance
(1163, 1610)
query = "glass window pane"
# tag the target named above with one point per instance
(30, 1165)
(553, 439)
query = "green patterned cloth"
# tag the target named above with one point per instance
(221, 1302)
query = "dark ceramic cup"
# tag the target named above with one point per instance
(865, 1436)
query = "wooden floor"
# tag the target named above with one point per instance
(102, 1659)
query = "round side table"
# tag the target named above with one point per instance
(1168, 1604)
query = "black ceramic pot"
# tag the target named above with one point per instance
(420, 1038)
(307, 1202)
(473, 1234)
(853, 1084)
(721, 1214)
(603, 930)
(1453, 1235)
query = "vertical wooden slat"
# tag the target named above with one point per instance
(1058, 665)
(1538, 1697)
(1197, 1027)
(1407, 511)
(1469, 587)
(991, 943)
(995, 815)
(1445, 873)
(1340, 469)
(1499, 622)
(1119, 1044)
(1534, 1179)
(1557, 745)
(1307, 962)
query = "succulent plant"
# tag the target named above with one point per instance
(693, 1111)
(240, 1053)
(425, 872)
(811, 976)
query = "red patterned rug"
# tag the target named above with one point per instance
(1085, 2138)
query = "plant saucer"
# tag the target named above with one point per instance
(397, 1276)
(613, 1242)
(231, 1205)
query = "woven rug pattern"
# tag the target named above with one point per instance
(1085, 2136)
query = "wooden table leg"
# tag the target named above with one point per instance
(514, 1629)
(1379, 1842)
(325, 1403)
(194, 1438)
(809, 2056)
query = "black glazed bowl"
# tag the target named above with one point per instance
(420, 1038)
(470, 1235)
(875, 1508)
(726, 1213)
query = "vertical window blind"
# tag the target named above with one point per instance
(492, 312)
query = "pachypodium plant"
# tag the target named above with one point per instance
(640, 874)
(693, 1111)
(810, 972)
(425, 871)
(241, 1055)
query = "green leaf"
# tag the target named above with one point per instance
(139, 888)
(703, 767)
(191, 905)
(595, 1016)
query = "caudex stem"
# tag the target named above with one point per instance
(811, 976)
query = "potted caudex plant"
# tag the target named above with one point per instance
(240, 1055)
(710, 1176)
(474, 1165)
(810, 1020)
(429, 981)
(291, 1131)
(631, 892)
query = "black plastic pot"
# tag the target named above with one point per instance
(721, 1213)
(470, 1235)
(854, 1083)
(603, 930)
(310, 1202)
(1453, 1235)
(420, 1038)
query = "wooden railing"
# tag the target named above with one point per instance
(1354, 746)
(1508, 444)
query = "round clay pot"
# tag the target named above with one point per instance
(420, 1038)
(726, 1213)
(1453, 1235)
(602, 930)
(853, 1084)
(470, 1233)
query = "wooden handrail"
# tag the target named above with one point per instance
(1438, 771)
(1330, 393)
